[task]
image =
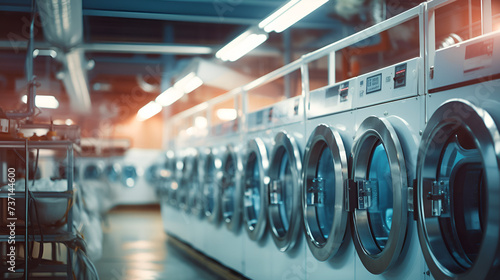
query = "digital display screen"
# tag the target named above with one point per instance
(374, 83)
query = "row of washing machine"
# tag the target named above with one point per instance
(123, 180)
(382, 176)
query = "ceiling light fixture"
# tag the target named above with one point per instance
(289, 14)
(43, 101)
(242, 45)
(169, 96)
(227, 114)
(149, 110)
(189, 83)
(183, 86)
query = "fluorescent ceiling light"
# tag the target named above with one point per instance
(289, 14)
(227, 114)
(242, 45)
(43, 101)
(189, 83)
(200, 122)
(169, 96)
(149, 110)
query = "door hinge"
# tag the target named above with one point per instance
(275, 191)
(316, 192)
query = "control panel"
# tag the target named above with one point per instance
(331, 99)
(387, 84)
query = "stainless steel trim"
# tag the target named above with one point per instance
(255, 229)
(286, 144)
(211, 185)
(483, 125)
(326, 137)
(374, 130)
(232, 217)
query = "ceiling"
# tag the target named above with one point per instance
(118, 77)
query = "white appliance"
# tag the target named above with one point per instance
(223, 235)
(135, 189)
(284, 209)
(389, 121)
(258, 244)
(458, 198)
(330, 130)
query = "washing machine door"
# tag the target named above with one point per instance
(112, 173)
(458, 191)
(231, 188)
(195, 191)
(212, 175)
(129, 176)
(285, 191)
(92, 171)
(185, 183)
(380, 215)
(325, 177)
(255, 182)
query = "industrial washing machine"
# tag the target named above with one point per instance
(330, 128)
(211, 173)
(284, 209)
(188, 167)
(389, 121)
(458, 172)
(258, 243)
(94, 184)
(135, 189)
(224, 240)
(168, 178)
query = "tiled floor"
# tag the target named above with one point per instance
(136, 248)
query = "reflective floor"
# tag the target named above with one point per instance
(135, 247)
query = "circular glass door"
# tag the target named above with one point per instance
(211, 189)
(185, 182)
(129, 176)
(195, 191)
(380, 214)
(285, 191)
(92, 172)
(324, 176)
(231, 189)
(255, 182)
(112, 173)
(170, 172)
(458, 197)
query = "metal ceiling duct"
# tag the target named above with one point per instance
(62, 22)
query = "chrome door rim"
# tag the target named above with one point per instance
(375, 130)
(257, 148)
(194, 198)
(325, 137)
(213, 215)
(233, 222)
(454, 114)
(285, 143)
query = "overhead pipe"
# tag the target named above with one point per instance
(30, 102)
(62, 22)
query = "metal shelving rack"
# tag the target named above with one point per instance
(64, 234)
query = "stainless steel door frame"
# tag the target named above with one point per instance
(256, 158)
(231, 189)
(375, 256)
(285, 230)
(211, 175)
(315, 192)
(435, 198)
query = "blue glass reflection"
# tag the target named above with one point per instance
(381, 210)
(326, 209)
